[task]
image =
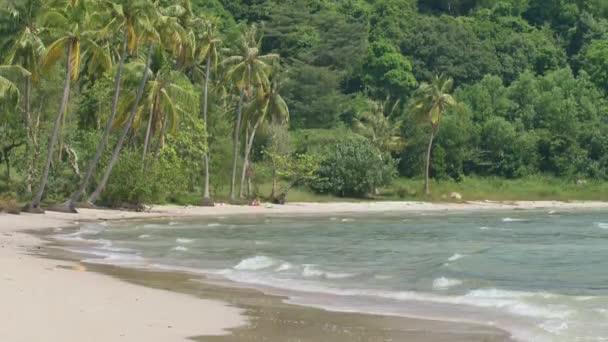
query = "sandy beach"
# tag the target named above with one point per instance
(49, 300)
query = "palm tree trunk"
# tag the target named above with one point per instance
(245, 164)
(428, 163)
(248, 146)
(106, 133)
(7, 160)
(161, 138)
(140, 92)
(206, 195)
(273, 194)
(35, 204)
(28, 130)
(235, 149)
(148, 131)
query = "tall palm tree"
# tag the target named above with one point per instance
(71, 20)
(209, 53)
(26, 52)
(429, 103)
(126, 127)
(268, 106)
(159, 28)
(245, 68)
(130, 16)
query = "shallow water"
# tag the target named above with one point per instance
(540, 276)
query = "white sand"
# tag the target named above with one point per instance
(40, 302)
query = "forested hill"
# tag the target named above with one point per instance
(532, 75)
(141, 101)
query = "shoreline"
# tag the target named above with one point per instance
(74, 302)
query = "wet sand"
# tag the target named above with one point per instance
(271, 319)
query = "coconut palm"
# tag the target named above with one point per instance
(71, 20)
(9, 92)
(377, 124)
(208, 52)
(26, 49)
(159, 28)
(246, 68)
(168, 95)
(130, 19)
(268, 106)
(429, 103)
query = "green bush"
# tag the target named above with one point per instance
(354, 168)
(131, 185)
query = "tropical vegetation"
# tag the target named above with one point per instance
(134, 102)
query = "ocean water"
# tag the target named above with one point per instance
(542, 276)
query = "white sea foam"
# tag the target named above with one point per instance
(512, 302)
(180, 248)
(214, 224)
(154, 226)
(601, 225)
(173, 223)
(601, 311)
(258, 262)
(484, 228)
(311, 270)
(382, 276)
(348, 220)
(455, 257)
(444, 283)
(284, 267)
(554, 326)
(510, 219)
(183, 240)
(144, 236)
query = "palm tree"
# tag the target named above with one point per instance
(71, 18)
(26, 53)
(268, 105)
(208, 52)
(429, 103)
(26, 50)
(377, 124)
(246, 67)
(168, 95)
(126, 127)
(158, 28)
(129, 18)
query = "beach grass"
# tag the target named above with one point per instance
(537, 188)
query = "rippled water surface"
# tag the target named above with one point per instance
(543, 276)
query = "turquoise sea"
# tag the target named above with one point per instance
(542, 275)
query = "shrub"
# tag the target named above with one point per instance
(354, 168)
(162, 180)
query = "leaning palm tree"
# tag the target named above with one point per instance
(268, 106)
(429, 103)
(71, 19)
(209, 53)
(130, 18)
(159, 28)
(246, 68)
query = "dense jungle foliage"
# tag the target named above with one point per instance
(126, 102)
